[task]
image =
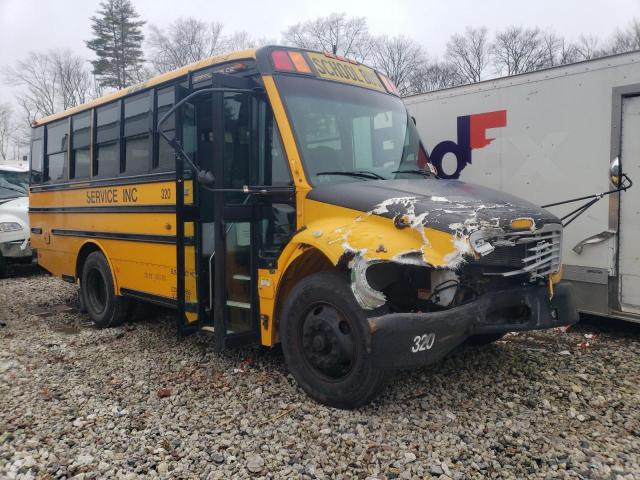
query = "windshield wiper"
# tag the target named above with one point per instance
(355, 173)
(424, 173)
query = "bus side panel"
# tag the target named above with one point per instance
(140, 244)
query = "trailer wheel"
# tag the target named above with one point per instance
(484, 339)
(98, 294)
(324, 335)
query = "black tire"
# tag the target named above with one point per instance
(324, 335)
(98, 294)
(3, 266)
(484, 339)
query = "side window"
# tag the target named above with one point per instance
(55, 164)
(81, 145)
(138, 125)
(272, 163)
(37, 151)
(278, 216)
(166, 156)
(107, 162)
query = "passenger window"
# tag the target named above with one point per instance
(166, 155)
(81, 144)
(107, 141)
(36, 155)
(55, 165)
(137, 128)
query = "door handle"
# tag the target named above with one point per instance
(593, 239)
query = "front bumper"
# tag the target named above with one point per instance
(405, 340)
(16, 249)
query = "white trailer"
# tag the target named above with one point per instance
(547, 136)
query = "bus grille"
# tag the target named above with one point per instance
(536, 254)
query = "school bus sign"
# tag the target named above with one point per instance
(339, 71)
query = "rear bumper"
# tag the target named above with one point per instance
(404, 340)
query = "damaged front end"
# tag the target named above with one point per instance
(433, 270)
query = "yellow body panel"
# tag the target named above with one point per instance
(144, 266)
(336, 231)
(84, 195)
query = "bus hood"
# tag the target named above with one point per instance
(450, 206)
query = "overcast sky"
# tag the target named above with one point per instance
(42, 24)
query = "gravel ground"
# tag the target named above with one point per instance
(136, 401)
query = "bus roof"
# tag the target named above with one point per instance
(165, 77)
(325, 66)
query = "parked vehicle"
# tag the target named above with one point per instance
(548, 136)
(14, 216)
(283, 196)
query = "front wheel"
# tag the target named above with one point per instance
(325, 338)
(98, 294)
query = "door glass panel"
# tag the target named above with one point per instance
(237, 146)
(238, 276)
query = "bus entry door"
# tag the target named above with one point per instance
(235, 314)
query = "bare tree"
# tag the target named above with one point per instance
(50, 81)
(186, 40)
(242, 40)
(557, 50)
(626, 40)
(398, 58)
(469, 53)
(588, 47)
(6, 134)
(434, 76)
(348, 36)
(518, 50)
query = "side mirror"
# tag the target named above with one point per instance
(206, 178)
(615, 172)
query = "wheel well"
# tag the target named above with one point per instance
(85, 251)
(309, 262)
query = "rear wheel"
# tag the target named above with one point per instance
(98, 295)
(324, 335)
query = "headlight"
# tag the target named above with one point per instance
(10, 227)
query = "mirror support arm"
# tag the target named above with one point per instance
(592, 200)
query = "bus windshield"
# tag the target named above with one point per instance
(347, 133)
(13, 184)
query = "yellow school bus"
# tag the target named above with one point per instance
(284, 196)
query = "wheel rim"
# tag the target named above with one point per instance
(96, 291)
(327, 340)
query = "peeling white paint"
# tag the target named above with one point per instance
(366, 296)
(409, 203)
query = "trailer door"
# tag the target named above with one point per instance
(629, 254)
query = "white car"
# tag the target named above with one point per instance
(14, 216)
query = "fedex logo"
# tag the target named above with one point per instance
(472, 134)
